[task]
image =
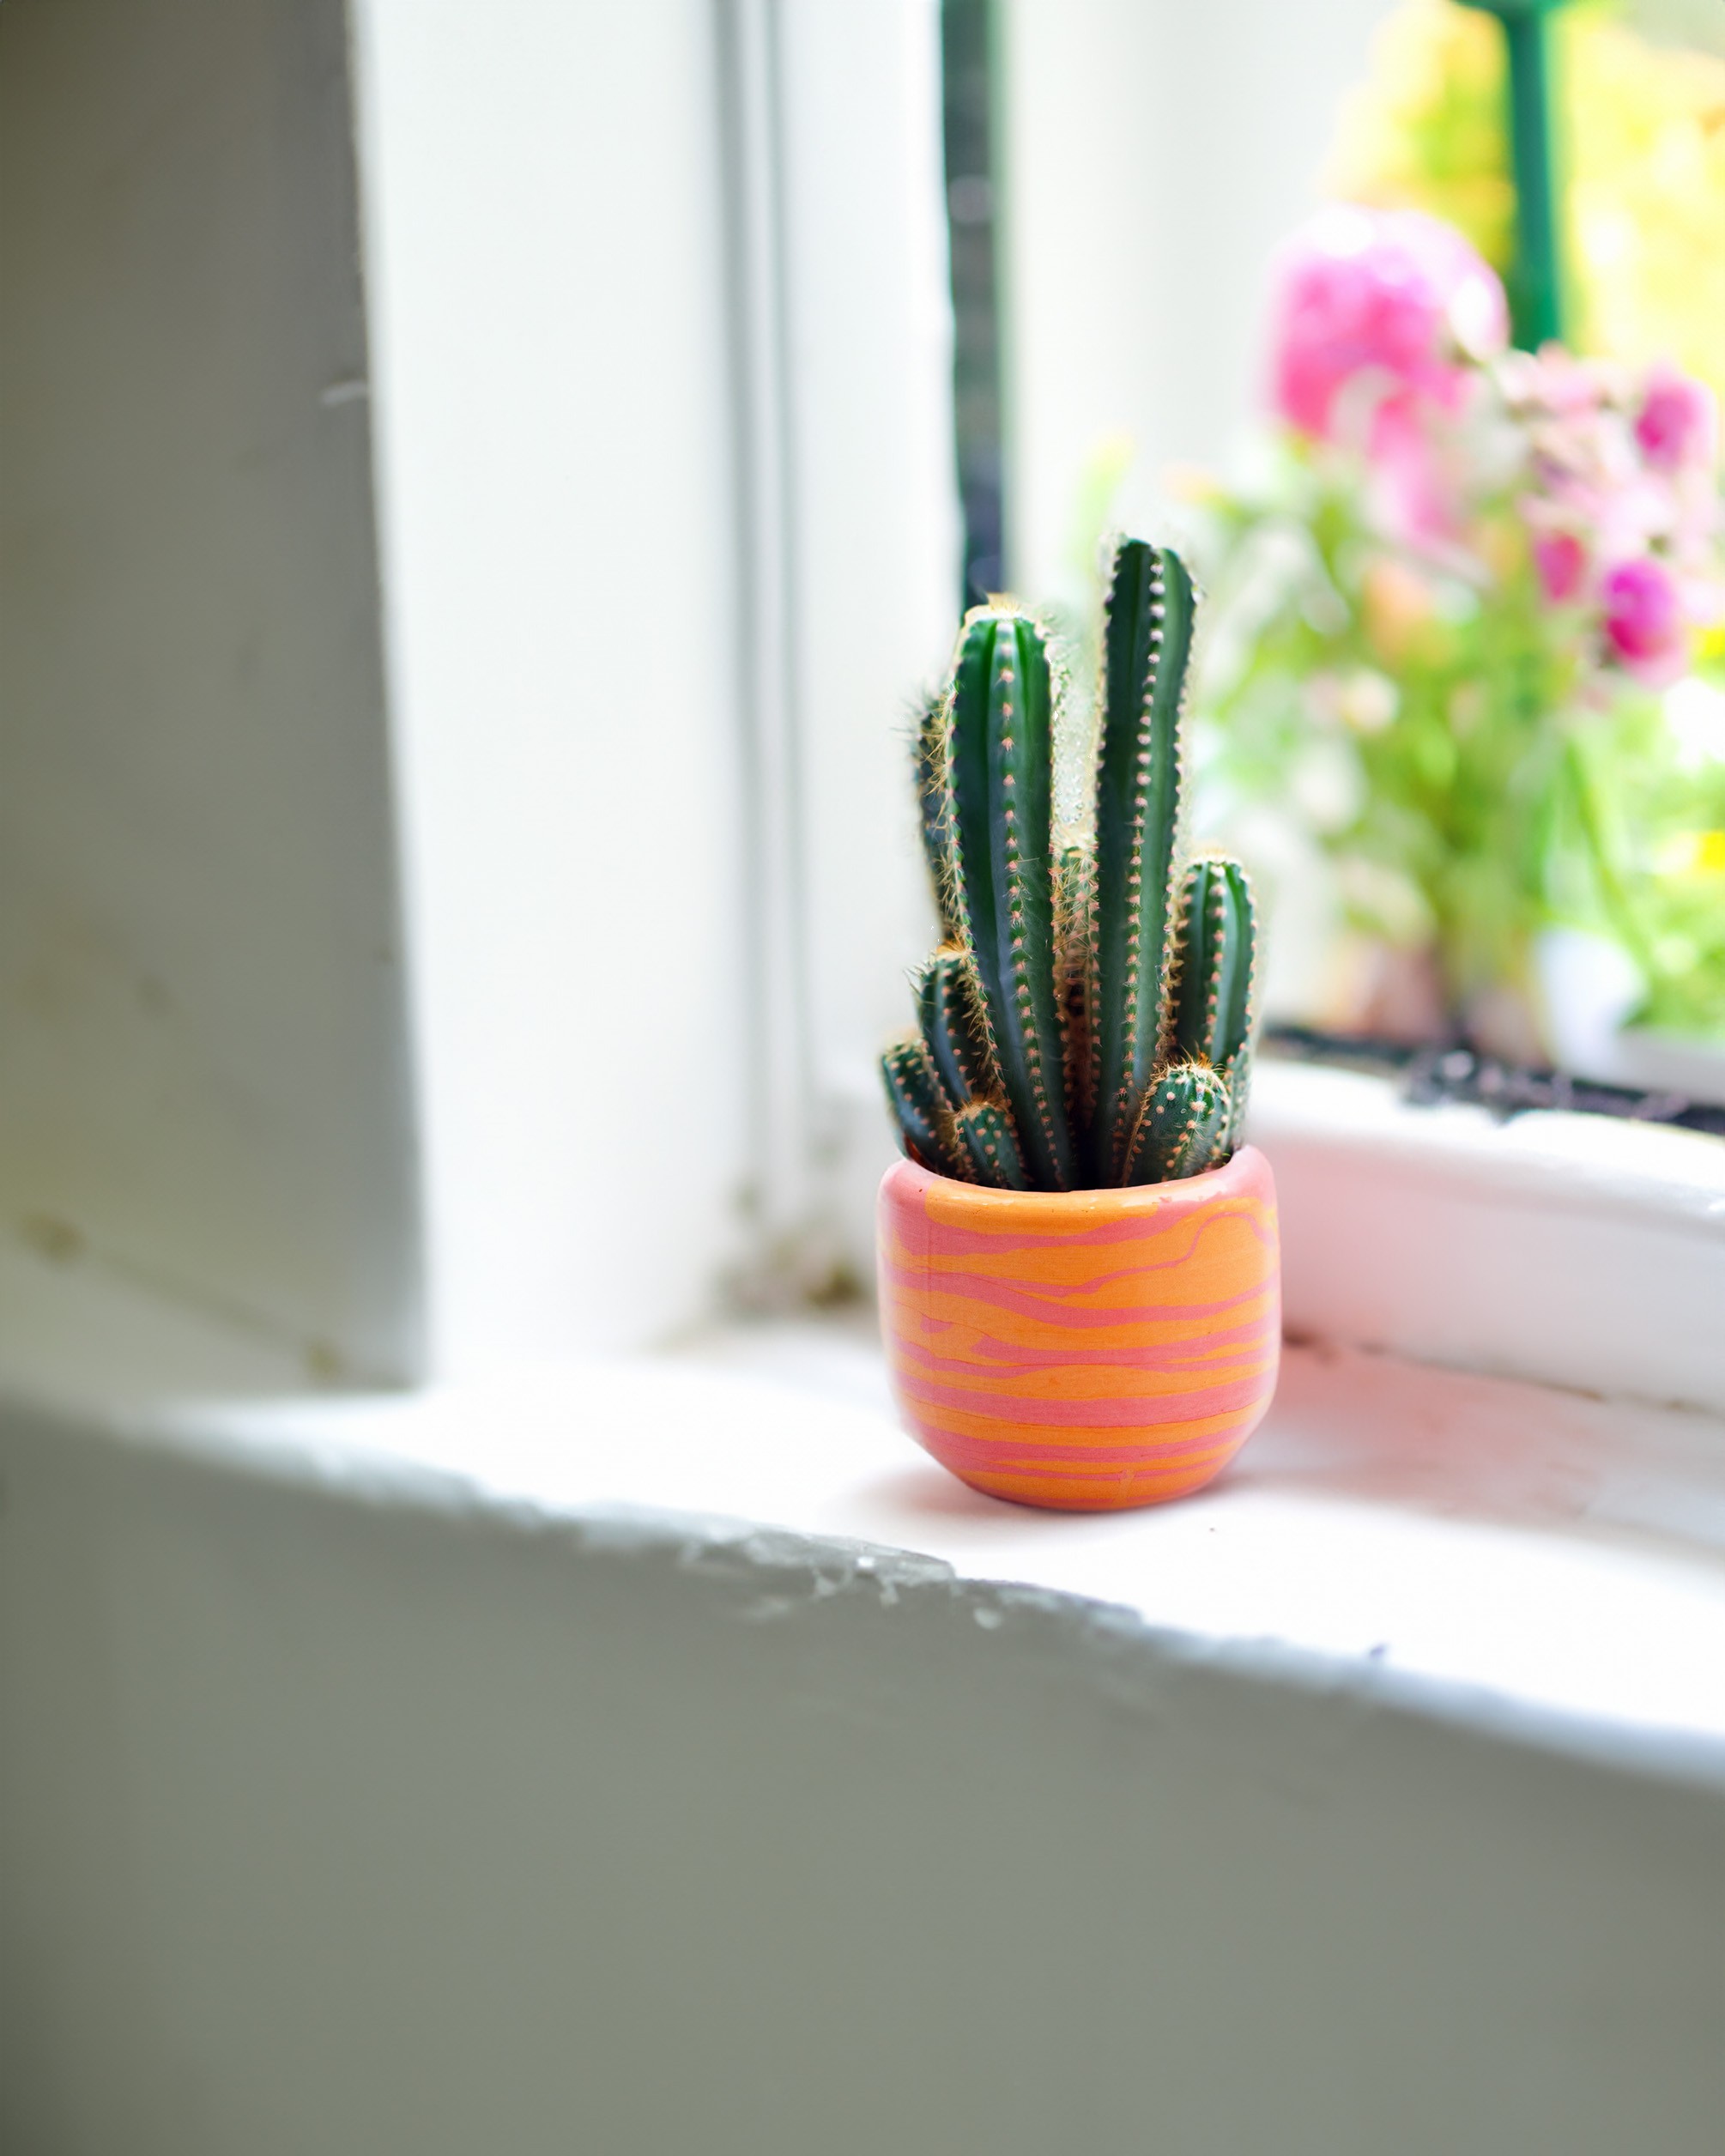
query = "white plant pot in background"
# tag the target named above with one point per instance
(1589, 986)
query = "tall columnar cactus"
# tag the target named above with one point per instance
(1146, 638)
(1087, 1018)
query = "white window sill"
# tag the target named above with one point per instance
(1496, 1554)
(1566, 1249)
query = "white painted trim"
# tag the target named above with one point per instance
(1566, 1249)
(848, 551)
(780, 1196)
(662, 384)
(546, 289)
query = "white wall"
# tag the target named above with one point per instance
(202, 1068)
(544, 248)
(663, 400)
(877, 540)
(1153, 154)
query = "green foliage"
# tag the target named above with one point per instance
(1653, 808)
(1435, 737)
(1395, 717)
(1086, 1021)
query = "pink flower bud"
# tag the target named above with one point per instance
(1561, 560)
(1677, 424)
(1644, 620)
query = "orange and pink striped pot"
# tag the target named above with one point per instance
(1087, 1350)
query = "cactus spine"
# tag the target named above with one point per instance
(926, 1117)
(1075, 926)
(1213, 997)
(1182, 1125)
(931, 801)
(985, 1132)
(946, 1005)
(1087, 1019)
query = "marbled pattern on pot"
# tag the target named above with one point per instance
(1084, 1350)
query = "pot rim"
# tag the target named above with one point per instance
(1071, 1207)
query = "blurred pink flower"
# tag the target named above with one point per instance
(1390, 302)
(1552, 383)
(1391, 342)
(1561, 560)
(1413, 489)
(1620, 464)
(1677, 425)
(1644, 620)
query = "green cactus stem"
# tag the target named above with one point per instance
(924, 1113)
(985, 1132)
(1182, 1128)
(933, 800)
(946, 1006)
(1000, 757)
(1238, 1078)
(1076, 933)
(1147, 642)
(1087, 1020)
(1213, 995)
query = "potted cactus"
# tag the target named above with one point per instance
(1078, 1270)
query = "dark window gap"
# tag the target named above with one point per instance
(968, 46)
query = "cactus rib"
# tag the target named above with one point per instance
(946, 1005)
(1075, 932)
(924, 1114)
(985, 1133)
(1181, 1126)
(932, 797)
(1213, 997)
(1000, 758)
(1146, 641)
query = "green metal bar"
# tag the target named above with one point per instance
(1535, 281)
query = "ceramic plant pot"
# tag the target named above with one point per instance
(1090, 1350)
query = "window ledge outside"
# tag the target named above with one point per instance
(1512, 1558)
